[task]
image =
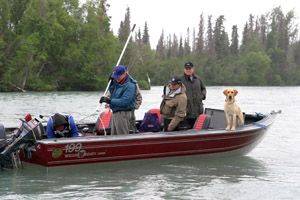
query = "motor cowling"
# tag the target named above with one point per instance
(26, 137)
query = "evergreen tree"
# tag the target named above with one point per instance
(194, 41)
(145, 38)
(220, 38)
(180, 49)
(200, 38)
(246, 37)
(251, 25)
(210, 38)
(169, 46)
(187, 47)
(174, 49)
(124, 32)
(234, 41)
(124, 29)
(263, 30)
(138, 37)
(160, 48)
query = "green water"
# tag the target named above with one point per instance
(271, 171)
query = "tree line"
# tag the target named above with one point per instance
(62, 45)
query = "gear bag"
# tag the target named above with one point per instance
(150, 123)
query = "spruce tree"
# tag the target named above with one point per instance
(138, 37)
(169, 46)
(145, 39)
(246, 37)
(160, 47)
(210, 38)
(194, 41)
(174, 50)
(263, 31)
(124, 29)
(220, 38)
(187, 47)
(200, 38)
(180, 49)
(234, 41)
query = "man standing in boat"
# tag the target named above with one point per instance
(195, 92)
(121, 100)
(173, 105)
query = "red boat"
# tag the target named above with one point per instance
(210, 139)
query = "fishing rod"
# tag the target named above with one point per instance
(109, 82)
(120, 58)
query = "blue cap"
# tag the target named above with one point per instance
(118, 71)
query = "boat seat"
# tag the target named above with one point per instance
(218, 119)
(202, 122)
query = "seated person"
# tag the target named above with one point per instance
(60, 125)
(173, 105)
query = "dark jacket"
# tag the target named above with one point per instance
(173, 107)
(123, 95)
(195, 92)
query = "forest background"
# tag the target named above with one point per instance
(61, 45)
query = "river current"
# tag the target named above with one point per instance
(270, 171)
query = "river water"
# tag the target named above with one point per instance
(271, 171)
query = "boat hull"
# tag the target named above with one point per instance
(91, 149)
(142, 146)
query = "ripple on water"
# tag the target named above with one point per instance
(271, 171)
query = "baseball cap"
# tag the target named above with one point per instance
(118, 71)
(188, 65)
(175, 79)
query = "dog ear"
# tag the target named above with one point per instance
(235, 92)
(225, 92)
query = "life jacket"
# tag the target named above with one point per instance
(150, 123)
(64, 133)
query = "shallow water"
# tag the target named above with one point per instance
(271, 171)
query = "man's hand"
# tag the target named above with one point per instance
(105, 99)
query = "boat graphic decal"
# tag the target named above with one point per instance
(56, 153)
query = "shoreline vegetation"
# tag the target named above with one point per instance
(60, 45)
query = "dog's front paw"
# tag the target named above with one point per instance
(228, 128)
(232, 129)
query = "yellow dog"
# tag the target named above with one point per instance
(232, 111)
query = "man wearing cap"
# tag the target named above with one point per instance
(121, 100)
(60, 125)
(195, 91)
(173, 105)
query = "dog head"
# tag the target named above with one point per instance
(230, 94)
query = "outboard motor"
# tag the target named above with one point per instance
(26, 137)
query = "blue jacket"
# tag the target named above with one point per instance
(123, 95)
(72, 127)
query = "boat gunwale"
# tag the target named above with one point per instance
(264, 123)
